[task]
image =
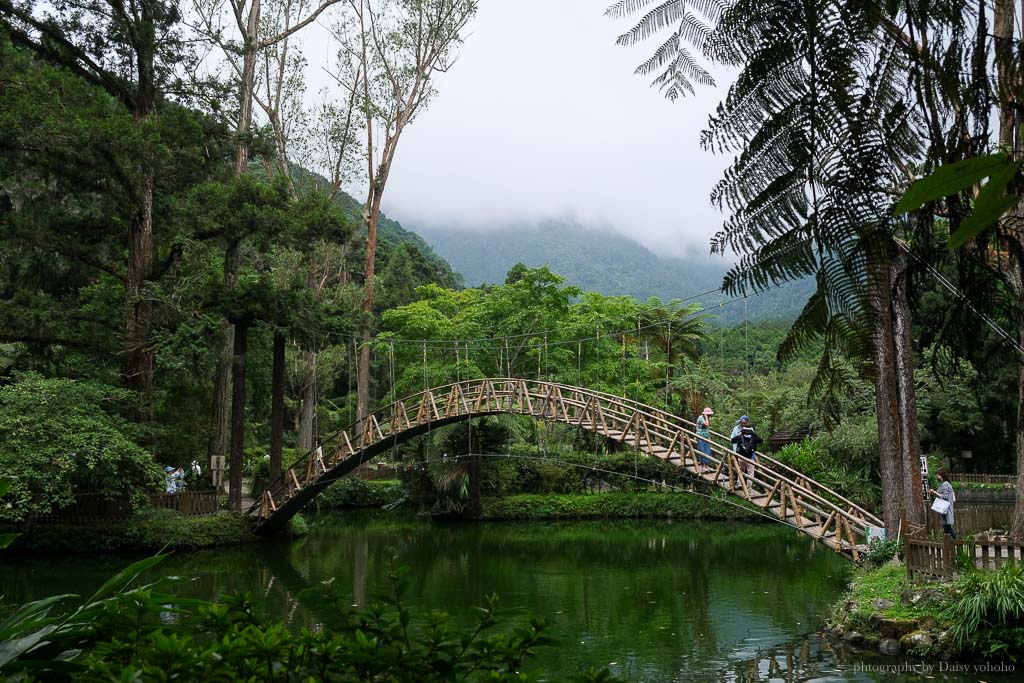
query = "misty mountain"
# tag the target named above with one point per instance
(605, 262)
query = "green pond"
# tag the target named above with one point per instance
(652, 600)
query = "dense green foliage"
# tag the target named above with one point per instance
(353, 492)
(614, 505)
(60, 436)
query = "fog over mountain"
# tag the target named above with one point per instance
(603, 261)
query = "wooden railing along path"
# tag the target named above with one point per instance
(187, 503)
(935, 559)
(777, 490)
(97, 507)
(1006, 479)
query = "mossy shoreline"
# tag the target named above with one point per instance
(883, 612)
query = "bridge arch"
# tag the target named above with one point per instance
(778, 490)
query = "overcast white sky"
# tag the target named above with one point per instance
(542, 117)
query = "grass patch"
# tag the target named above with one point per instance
(860, 609)
(614, 504)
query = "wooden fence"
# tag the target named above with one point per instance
(972, 519)
(1009, 479)
(930, 560)
(89, 507)
(187, 503)
(96, 507)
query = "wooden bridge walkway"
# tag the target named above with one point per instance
(775, 488)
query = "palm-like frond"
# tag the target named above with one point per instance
(692, 24)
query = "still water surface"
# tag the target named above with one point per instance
(652, 600)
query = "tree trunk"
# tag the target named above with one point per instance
(222, 407)
(910, 445)
(277, 410)
(366, 333)
(221, 427)
(307, 408)
(237, 417)
(139, 356)
(1017, 528)
(886, 391)
(1010, 267)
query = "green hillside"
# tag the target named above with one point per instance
(605, 262)
(392, 236)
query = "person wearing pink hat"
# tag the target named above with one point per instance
(704, 438)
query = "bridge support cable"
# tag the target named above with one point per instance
(778, 490)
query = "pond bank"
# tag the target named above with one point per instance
(885, 613)
(615, 504)
(149, 530)
(155, 529)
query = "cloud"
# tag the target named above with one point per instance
(542, 118)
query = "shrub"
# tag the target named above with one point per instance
(299, 526)
(615, 504)
(59, 437)
(350, 492)
(988, 617)
(881, 551)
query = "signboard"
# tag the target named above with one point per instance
(924, 477)
(875, 532)
(217, 470)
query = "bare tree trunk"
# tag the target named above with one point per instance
(233, 260)
(307, 408)
(366, 333)
(886, 390)
(221, 427)
(910, 445)
(237, 417)
(277, 409)
(139, 356)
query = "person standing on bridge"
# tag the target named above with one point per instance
(704, 438)
(745, 441)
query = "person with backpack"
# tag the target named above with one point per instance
(745, 441)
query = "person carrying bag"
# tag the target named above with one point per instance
(944, 501)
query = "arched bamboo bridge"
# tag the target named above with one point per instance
(779, 490)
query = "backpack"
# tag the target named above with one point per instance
(748, 441)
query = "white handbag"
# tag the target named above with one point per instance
(940, 505)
